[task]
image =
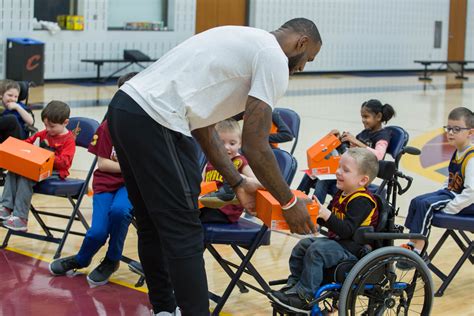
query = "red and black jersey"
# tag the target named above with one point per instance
(349, 213)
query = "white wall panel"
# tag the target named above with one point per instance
(469, 50)
(357, 35)
(363, 34)
(64, 50)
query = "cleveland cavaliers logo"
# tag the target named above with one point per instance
(33, 62)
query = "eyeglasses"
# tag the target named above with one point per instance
(455, 129)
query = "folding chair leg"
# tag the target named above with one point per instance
(40, 221)
(66, 232)
(467, 254)
(6, 239)
(226, 268)
(254, 273)
(238, 273)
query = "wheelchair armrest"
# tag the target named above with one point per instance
(360, 235)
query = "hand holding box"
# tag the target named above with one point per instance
(270, 212)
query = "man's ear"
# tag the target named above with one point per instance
(302, 43)
(66, 122)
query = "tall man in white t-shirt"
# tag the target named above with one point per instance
(210, 77)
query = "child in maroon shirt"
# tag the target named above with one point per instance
(18, 190)
(111, 215)
(230, 134)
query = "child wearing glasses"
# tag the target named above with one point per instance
(458, 190)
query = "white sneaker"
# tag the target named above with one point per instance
(177, 312)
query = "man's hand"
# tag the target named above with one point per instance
(246, 193)
(298, 218)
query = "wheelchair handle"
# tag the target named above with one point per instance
(411, 151)
(408, 185)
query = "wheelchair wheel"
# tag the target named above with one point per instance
(375, 286)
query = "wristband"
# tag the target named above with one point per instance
(238, 183)
(290, 204)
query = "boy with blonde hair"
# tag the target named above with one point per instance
(353, 206)
(215, 211)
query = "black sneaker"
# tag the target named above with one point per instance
(408, 265)
(292, 302)
(222, 197)
(63, 266)
(101, 274)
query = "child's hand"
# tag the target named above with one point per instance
(335, 132)
(12, 105)
(348, 137)
(324, 213)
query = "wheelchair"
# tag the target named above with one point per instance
(374, 285)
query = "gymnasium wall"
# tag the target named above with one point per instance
(64, 50)
(469, 50)
(357, 35)
(364, 34)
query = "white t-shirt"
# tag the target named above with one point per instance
(209, 77)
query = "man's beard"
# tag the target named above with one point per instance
(293, 62)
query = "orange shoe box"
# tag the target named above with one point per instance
(270, 212)
(317, 155)
(25, 159)
(207, 187)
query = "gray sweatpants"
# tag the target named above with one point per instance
(17, 194)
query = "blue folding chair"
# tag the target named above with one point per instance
(70, 188)
(457, 226)
(244, 234)
(292, 119)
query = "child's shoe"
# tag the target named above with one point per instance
(5, 213)
(16, 223)
(292, 302)
(63, 266)
(222, 197)
(406, 265)
(101, 274)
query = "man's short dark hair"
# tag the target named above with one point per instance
(462, 113)
(125, 78)
(56, 112)
(304, 27)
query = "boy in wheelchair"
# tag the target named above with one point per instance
(353, 206)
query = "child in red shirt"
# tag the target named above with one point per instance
(18, 190)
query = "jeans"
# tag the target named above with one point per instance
(308, 260)
(111, 216)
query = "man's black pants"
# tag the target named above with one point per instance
(162, 176)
